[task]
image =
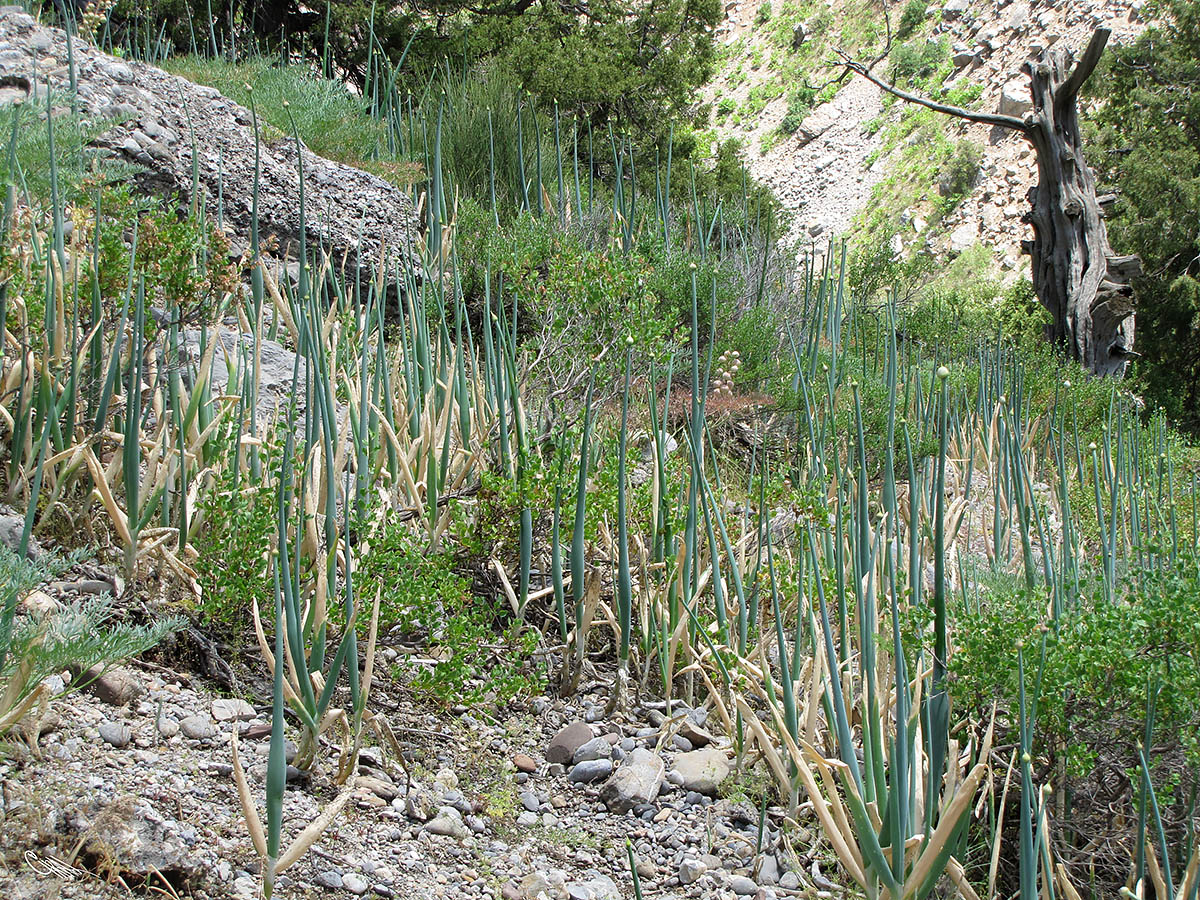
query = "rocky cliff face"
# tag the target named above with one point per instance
(824, 173)
(171, 128)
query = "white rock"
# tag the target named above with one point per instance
(228, 709)
(690, 870)
(355, 884)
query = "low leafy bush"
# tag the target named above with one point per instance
(960, 172)
(911, 18)
(471, 650)
(240, 531)
(1101, 662)
(800, 103)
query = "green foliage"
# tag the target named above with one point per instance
(240, 529)
(330, 120)
(960, 172)
(1099, 650)
(474, 652)
(1146, 135)
(72, 160)
(79, 636)
(916, 63)
(755, 335)
(912, 18)
(763, 16)
(800, 102)
(421, 590)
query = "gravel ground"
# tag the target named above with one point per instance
(135, 790)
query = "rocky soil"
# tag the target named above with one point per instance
(132, 788)
(821, 175)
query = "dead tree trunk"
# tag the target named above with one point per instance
(1086, 288)
(1084, 285)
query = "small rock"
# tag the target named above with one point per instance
(789, 881)
(527, 819)
(116, 687)
(551, 885)
(168, 728)
(378, 787)
(198, 728)
(600, 887)
(448, 823)
(355, 884)
(570, 738)
(596, 748)
(742, 886)
(331, 880)
(11, 528)
(768, 870)
(702, 770)
(636, 782)
(228, 709)
(525, 763)
(696, 735)
(690, 870)
(591, 770)
(117, 734)
(1015, 99)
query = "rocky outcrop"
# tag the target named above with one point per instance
(169, 127)
(824, 173)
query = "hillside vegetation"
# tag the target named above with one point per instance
(936, 589)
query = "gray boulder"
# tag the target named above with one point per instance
(138, 839)
(636, 782)
(164, 124)
(702, 770)
(1015, 99)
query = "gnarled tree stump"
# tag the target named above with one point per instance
(1077, 277)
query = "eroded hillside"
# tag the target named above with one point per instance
(836, 151)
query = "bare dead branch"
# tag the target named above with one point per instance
(1010, 122)
(1087, 65)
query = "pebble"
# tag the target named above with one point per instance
(525, 763)
(118, 734)
(117, 687)
(742, 886)
(690, 870)
(330, 879)
(569, 738)
(591, 770)
(596, 748)
(198, 728)
(355, 884)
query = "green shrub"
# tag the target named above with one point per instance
(916, 62)
(911, 19)
(800, 103)
(239, 531)
(473, 650)
(763, 16)
(1099, 660)
(960, 172)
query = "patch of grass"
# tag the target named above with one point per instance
(330, 120)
